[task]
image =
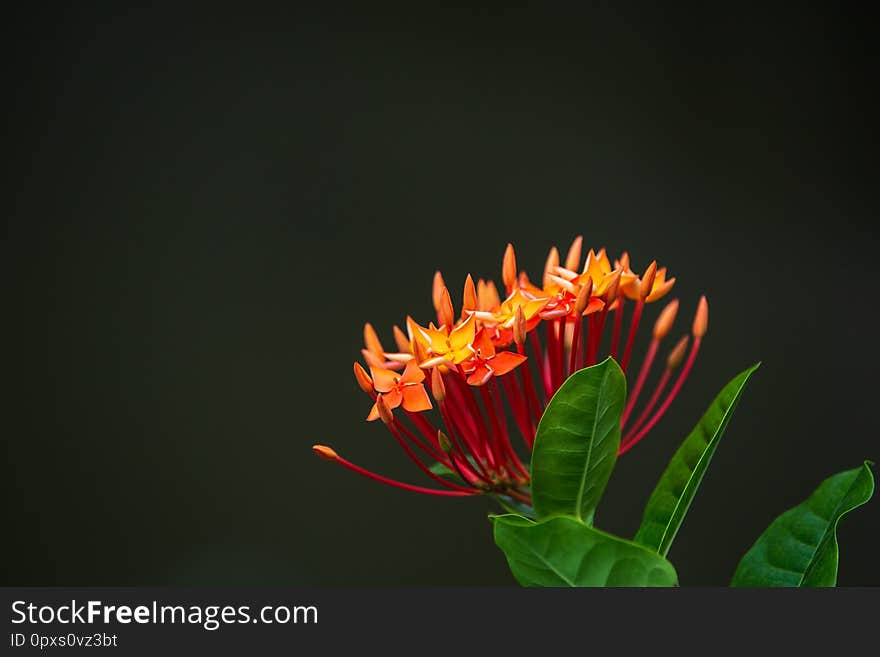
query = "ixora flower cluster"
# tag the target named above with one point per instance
(500, 357)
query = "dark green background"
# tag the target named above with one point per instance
(203, 207)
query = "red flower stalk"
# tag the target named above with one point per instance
(506, 358)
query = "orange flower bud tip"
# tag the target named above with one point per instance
(660, 289)
(508, 268)
(519, 326)
(469, 297)
(372, 359)
(567, 274)
(445, 312)
(326, 453)
(664, 322)
(403, 345)
(701, 318)
(363, 379)
(550, 265)
(385, 413)
(613, 287)
(573, 259)
(566, 285)
(438, 387)
(371, 341)
(676, 356)
(437, 288)
(583, 298)
(647, 283)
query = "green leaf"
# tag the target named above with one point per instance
(563, 551)
(799, 548)
(678, 485)
(442, 470)
(576, 442)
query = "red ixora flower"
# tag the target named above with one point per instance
(509, 356)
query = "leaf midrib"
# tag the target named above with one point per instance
(721, 426)
(544, 561)
(832, 525)
(591, 443)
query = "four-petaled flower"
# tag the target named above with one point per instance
(400, 389)
(445, 347)
(486, 362)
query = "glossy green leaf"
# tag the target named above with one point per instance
(442, 470)
(799, 548)
(576, 442)
(678, 485)
(563, 551)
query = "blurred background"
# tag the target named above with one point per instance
(204, 207)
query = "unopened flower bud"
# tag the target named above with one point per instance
(437, 289)
(573, 259)
(701, 318)
(519, 327)
(325, 453)
(469, 298)
(363, 379)
(402, 341)
(664, 322)
(583, 298)
(372, 343)
(508, 267)
(613, 287)
(385, 413)
(445, 312)
(647, 282)
(550, 265)
(438, 387)
(676, 356)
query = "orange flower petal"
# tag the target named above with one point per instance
(384, 379)
(393, 398)
(466, 353)
(660, 291)
(417, 333)
(463, 334)
(596, 304)
(480, 375)
(436, 361)
(504, 361)
(415, 398)
(412, 373)
(597, 265)
(483, 345)
(438, 341)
